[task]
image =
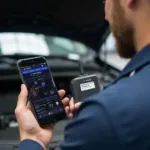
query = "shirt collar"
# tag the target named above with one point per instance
(139, 60)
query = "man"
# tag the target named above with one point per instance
(118, 117)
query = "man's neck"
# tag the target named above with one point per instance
(142, 39)
(142, 33)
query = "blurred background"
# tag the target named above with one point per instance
(65, 33)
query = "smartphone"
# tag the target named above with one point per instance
(42, 91)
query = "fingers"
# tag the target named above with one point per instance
(72, 108)
(61, 93)
(22, 98)
(72, 105)
(71, 115)
(77, 105)
(65, 101)
(67, 109)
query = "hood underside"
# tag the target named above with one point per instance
(81, 20)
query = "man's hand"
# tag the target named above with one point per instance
(73, 108)
(28, 125)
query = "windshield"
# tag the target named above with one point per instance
(39, 44)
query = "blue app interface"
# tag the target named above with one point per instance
(42, 90)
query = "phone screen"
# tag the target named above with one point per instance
(42, 90)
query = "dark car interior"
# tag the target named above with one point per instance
(78, 20)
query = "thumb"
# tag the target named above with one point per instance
(22, 98)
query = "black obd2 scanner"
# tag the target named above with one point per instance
(84, 85)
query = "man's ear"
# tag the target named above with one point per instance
(131, 3)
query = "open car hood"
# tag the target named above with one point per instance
(81, 20)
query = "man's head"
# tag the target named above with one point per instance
(122, 16)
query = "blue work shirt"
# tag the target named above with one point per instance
(116, 118)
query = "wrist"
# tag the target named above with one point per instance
(34, 139)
